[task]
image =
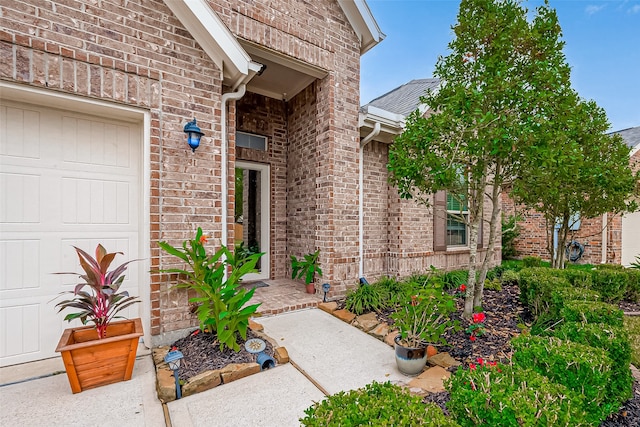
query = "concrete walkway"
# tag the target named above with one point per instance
(327, 356)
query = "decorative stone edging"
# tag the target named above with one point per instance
(165, 381)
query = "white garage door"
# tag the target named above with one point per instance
(65, 179)
(630, 237)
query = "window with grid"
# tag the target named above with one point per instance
(457, 218)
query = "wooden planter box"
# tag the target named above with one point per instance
(91, 362)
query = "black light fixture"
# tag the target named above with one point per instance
(363, 281)
(325, 288)
(173, 359)
(193, 134)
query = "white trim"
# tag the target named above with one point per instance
(215, 39)
(363, 23)
(265, 217)
(64, 101)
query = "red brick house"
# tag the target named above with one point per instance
(94, 97)
(611, 239)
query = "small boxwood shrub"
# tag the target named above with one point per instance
(581, 368)
(380, 404)
(537, 286)
(577, 278)
(509, 277)
(615, 341)
(509, 396)
(366, 298)
(611, 283)
(633, 285)
(531, 261)
(592, 312)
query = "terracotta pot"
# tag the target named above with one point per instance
(311, 289)
(91, 362)
(410, 360)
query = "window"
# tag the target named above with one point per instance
(457, 217)
(248, 140)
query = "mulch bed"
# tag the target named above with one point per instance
(202, 353)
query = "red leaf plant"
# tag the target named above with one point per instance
(100, 304)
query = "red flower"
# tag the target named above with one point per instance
(203, 239)
(479, 317)
(472, 337)
(494, 363)
(472, 366)
(414, 301)
(480, 361)
(463, 287)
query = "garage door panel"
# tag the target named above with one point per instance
(19, 264)
(24, 192)
(66, 179)
(20, 134)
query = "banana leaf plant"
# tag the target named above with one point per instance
(97, 297)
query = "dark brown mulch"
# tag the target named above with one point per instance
(202, 353)
(630, 307)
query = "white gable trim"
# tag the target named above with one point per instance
(215, 39)
(363, 23)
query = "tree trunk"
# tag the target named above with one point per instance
(476, 202)
(493, 232)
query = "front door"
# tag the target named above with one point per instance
(252, 214)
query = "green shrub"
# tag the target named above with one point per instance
(510, 277)
(379, 404)
(453, 279)
(609, 267)
(509, 396)
(591, 312)
(531, 261)
(510, 232)
(512, 264)
(633, 285)
(366, 298)
(577, 278)
(493, 285)
(611, 283)
(581, 368)
(632, 326)
(615, 341)
(536, 288)
(396, 291)
(495, 272)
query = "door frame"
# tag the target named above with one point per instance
(265, 217)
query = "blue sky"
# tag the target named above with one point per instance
(602, 47)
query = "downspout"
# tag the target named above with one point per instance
(604, 238)
(363, 143)
(225, 166)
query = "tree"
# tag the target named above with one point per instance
(575, 170)
(501, 79)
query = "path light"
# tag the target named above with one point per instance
(363, 281)
(325, 288)
(193, 134)
(173, 358)
(257, 346)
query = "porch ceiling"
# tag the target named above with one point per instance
(284, 77)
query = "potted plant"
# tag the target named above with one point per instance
(421, 321)
(306, 268)
(105, 352)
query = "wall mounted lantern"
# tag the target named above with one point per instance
(193, 134)
(173, 358)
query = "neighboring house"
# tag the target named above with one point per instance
(612, 239)
(402, 236)
(93, 101)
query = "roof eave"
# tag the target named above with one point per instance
(215, 39)
(363, 23)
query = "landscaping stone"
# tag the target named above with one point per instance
(158, 355)
(390, 338)
(201, 382)
(444, 360)
(235, 371)
(367, 322)
(380, 331)
(635, 372)
(431, 380)
(165, 385)
(329, 307)
(255, 326)
(281, 355)
(344, 315)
